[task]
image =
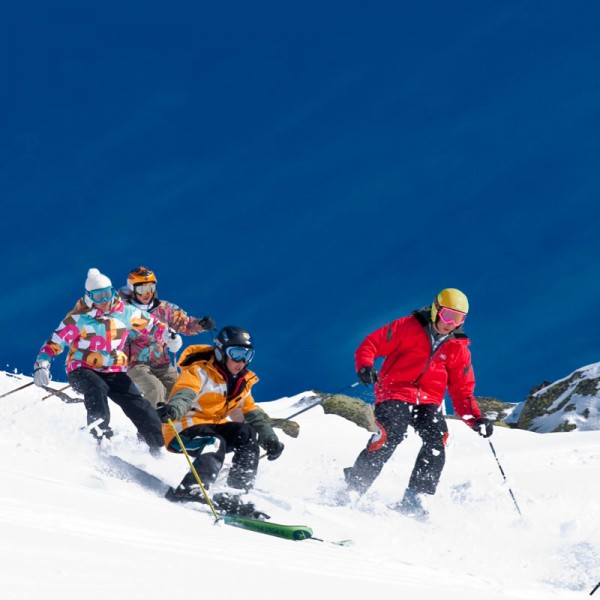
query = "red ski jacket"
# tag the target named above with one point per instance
(412, 373)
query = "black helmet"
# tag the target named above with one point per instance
(231, 336)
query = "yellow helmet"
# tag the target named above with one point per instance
(139, 276)
(449, 298)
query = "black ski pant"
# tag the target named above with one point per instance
(239, 438)
(392, 419)
(98, 387)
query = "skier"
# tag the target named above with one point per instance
(424, 354)
(149, 363)
(95, 332)
(212, 409)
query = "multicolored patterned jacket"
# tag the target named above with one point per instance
(147, 350)
(96, 340)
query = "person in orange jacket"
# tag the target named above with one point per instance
(213, 411)
(425, 354)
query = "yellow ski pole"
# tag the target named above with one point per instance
(196, 476)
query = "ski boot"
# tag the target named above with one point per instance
(184, 493)
(232, 504)
(411, 505)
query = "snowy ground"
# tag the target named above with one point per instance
(77, 523)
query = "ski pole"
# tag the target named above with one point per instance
(597, 586)
(22, 387)
(60, 394)
(503, 475)
(175, 362)
(298, 413)
(325, 397)
(52, 390)
(172, 334)
(196, 476)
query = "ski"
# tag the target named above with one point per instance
(225, 504)
(288, 532)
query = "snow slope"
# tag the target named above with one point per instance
(77, 522)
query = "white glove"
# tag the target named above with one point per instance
(41, 373)
(172, 340)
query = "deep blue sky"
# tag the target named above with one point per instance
(310, 172)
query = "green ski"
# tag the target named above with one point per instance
(288, 532)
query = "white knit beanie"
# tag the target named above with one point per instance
(96, 281)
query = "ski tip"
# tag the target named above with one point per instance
(304, 533)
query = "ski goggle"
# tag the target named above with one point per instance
(451, 316)
(100, 296)
(240, 353)
(144, 288)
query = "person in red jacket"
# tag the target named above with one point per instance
(425, 354)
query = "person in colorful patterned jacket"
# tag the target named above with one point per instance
(424, 354)
(212, 409)
(95, 333)
(149, 363)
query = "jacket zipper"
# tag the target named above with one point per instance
(431, 355)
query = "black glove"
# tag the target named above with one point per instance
(166, 412)
(368, 375)
(274, 449)
(484, 427)
(207, 323)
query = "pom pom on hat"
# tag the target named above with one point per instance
(96, 281)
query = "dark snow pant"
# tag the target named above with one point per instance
(239, 438)
(392, 419)
(98, 387)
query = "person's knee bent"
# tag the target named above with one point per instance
(246, 435)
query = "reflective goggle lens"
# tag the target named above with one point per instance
(451, 316)
(144, 288)
(100, 296)
(240, 353)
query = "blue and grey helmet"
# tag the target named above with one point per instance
(232, 336)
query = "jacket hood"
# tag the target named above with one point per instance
(195, 353)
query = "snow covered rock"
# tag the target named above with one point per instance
(571, 403)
